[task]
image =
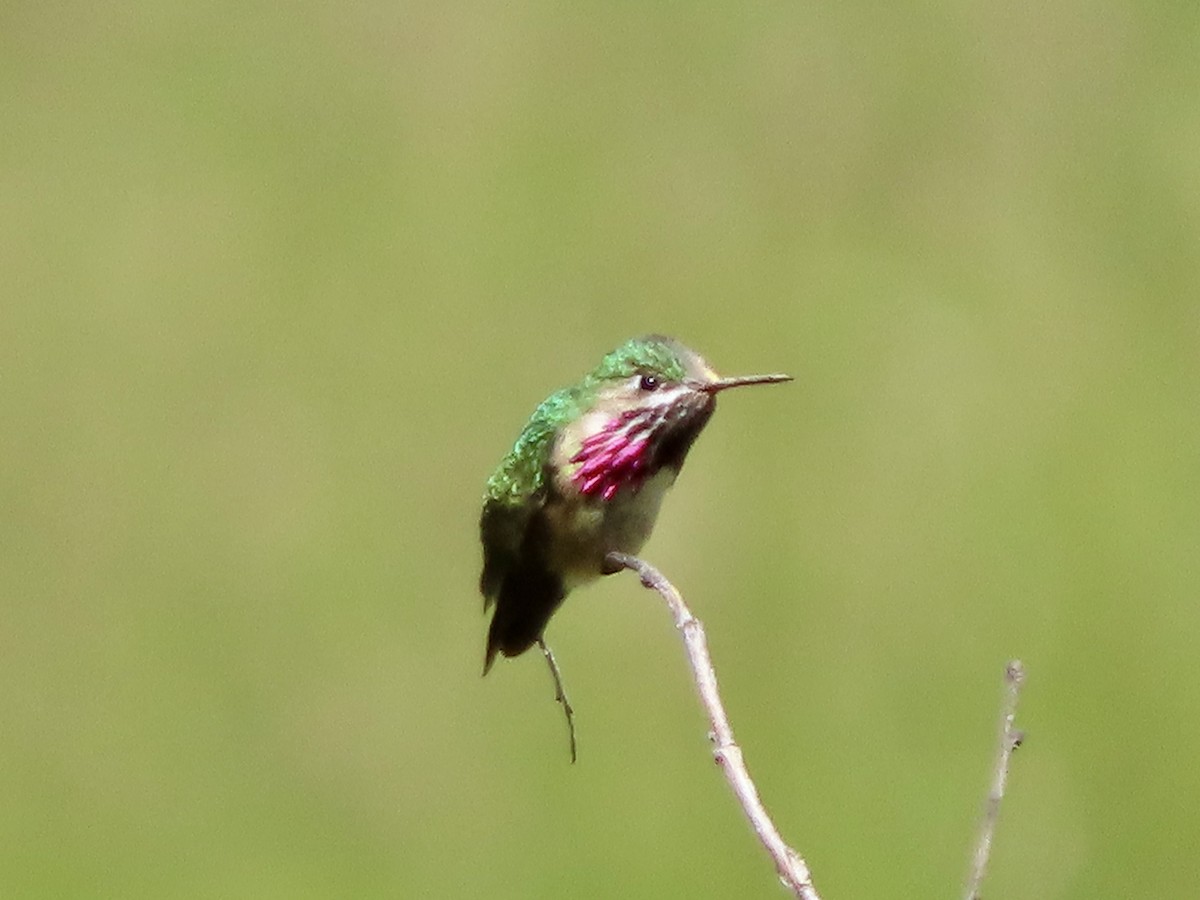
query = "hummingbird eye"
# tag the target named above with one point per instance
(649, 383)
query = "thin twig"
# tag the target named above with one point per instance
(1010, 740)
(560, 693)
(792, 870)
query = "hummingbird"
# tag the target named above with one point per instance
(586, 477)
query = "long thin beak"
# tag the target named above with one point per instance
(721, 384)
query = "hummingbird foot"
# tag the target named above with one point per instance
(612, 564)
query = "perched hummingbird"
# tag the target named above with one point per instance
(587, 477)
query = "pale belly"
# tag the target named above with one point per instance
(588, 530)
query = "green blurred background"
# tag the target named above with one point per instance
(282, 284)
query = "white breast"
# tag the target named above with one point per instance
(630, 515)
(588, 529)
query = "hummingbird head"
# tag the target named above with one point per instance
(650, 398)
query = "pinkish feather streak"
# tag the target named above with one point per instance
(589, 485)
(631, 453)
(592, 466)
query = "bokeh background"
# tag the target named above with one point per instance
(281, 284)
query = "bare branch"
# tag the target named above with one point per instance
(792, 870)
(560, 693)
(1010, 739)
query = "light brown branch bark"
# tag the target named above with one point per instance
(1010, 739)
(790, 866)
(560, 694)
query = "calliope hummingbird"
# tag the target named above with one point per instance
(586, 477)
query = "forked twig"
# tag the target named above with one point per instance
(560, 693)
(1010, 740)
(792, 870)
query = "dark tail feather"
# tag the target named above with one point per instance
(527, 599)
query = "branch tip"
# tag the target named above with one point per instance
(560, 695)
(1009, 740)
(789, 865)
